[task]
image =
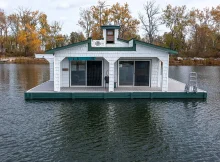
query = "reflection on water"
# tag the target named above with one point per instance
(107, 130)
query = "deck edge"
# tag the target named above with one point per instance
(114, 95)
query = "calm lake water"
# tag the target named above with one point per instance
(107, 130)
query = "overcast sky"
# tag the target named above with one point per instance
(67, 11)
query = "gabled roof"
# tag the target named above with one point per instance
(133, 48)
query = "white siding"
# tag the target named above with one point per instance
(106, 67)
(118, 44)
(116, 71)
(141, 52)
(154, 72)
(131, 43)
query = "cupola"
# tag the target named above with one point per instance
(110, 33)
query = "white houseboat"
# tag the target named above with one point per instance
(110, 68)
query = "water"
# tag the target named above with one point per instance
(107, 130)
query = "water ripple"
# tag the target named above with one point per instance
(107, 130)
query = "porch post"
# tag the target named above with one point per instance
(111, 62)
(165, 77)
(51, 66)
(111, 76)
(57, 61)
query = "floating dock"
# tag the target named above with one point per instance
(175, 91)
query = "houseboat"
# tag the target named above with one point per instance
(110, 68)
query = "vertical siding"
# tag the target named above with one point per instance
(57, 75)
(159, 74)
(116, 71)
(106, 67)
(111, 76)
(154, 72)
(65, 75)
(165, 74)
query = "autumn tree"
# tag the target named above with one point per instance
(202, 32)
(121, 15)
(44, 30)
(14, 30)
(86, 21)
(28, 37)
(100, 14)
(176, 20)
(76, 37)
(3, 30)
(150, 20)
(56, 39)
(215, 13)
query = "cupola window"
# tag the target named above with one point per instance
(110, 36)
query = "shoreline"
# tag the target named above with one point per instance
(172, 61)
(22, 60)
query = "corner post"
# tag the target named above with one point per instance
(165, 77)
(51, 66)
(57, 62)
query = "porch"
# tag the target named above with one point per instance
(175, 91)
(173, 86)
(89, 71)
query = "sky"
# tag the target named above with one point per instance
(67, 11)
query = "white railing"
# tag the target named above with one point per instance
(98, 43)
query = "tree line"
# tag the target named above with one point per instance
(192, 32)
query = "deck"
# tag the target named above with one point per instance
(175, 90)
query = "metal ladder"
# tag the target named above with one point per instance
(192, 83)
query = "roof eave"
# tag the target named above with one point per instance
(157, 47)
(173, 52)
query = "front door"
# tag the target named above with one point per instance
(78, 73)
(94, 73)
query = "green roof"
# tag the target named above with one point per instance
(110, 27)
(133, 48)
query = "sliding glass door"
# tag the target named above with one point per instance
(78, 73)
(134, 73)
(86, 73)
(126, 73)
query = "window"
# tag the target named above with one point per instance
(110, 36)
(110, 33)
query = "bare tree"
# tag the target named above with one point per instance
(86, 21)
(150, 20)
